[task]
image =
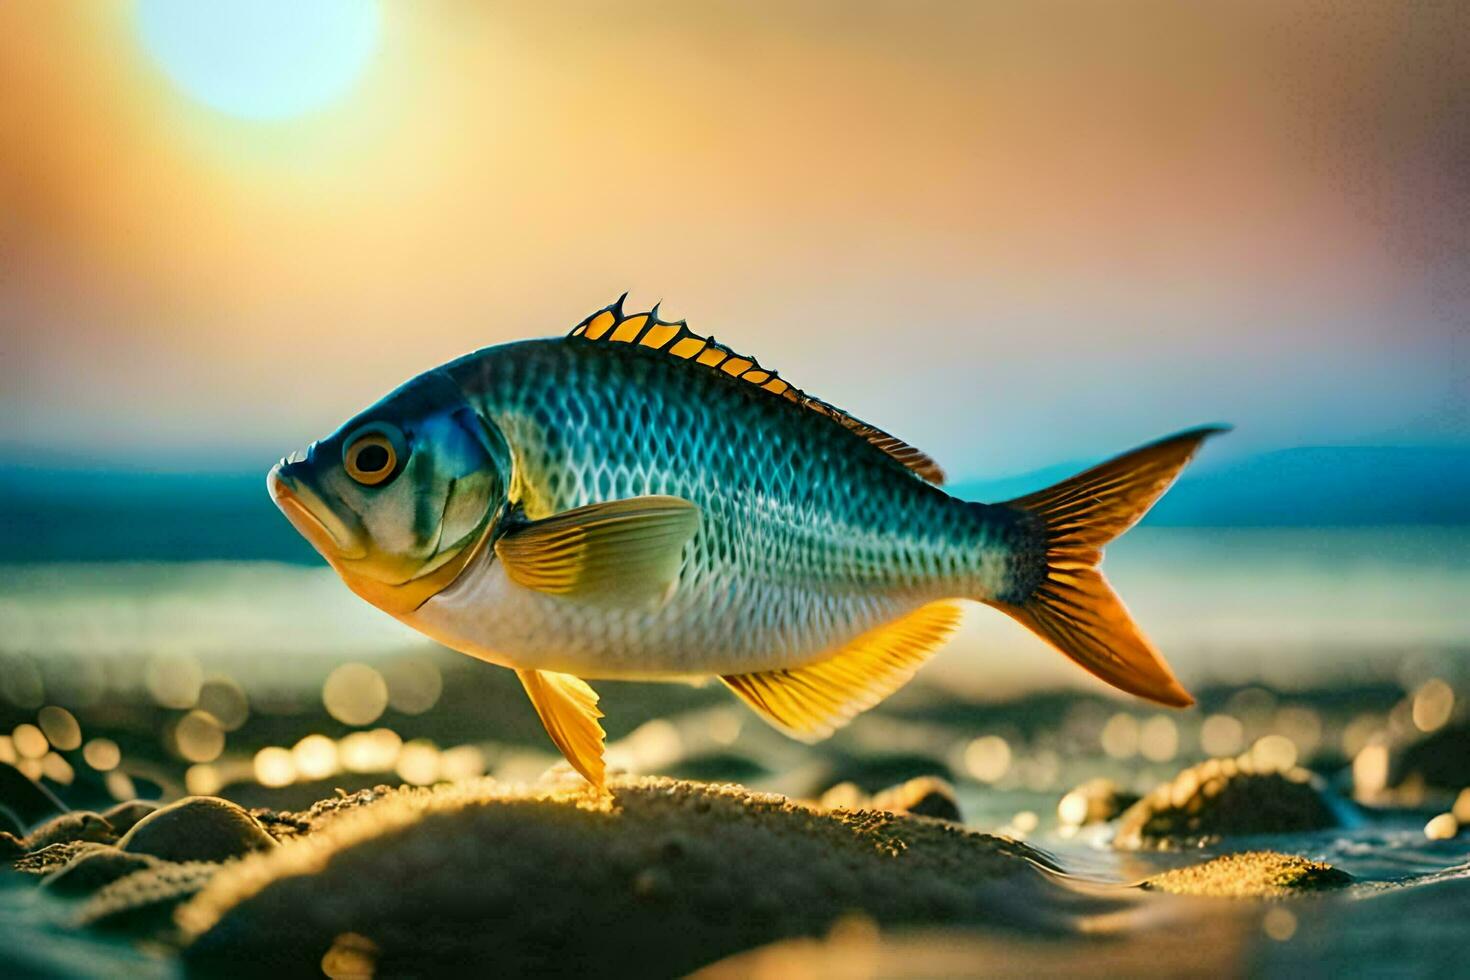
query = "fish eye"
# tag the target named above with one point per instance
(371, 456)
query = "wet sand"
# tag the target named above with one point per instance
(368, 806)
(659, 877)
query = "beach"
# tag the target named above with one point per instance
(980, 822)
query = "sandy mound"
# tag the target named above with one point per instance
(661, 879)
(1221, 798)
(1253, 874)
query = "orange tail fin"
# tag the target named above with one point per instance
(1072, 606)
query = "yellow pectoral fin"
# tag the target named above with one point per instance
(568, 709)
(810, 703)
(624, 549)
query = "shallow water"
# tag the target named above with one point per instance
(1325, 640)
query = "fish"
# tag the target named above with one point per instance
(634, 500)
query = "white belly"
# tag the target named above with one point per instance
(730, 627)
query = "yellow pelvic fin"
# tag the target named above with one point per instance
(625, 549)
(612, 325)
(810, 703)
(568, 709)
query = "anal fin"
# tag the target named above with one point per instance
(810, 703)
(567, 706)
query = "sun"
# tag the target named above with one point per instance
(262, 59)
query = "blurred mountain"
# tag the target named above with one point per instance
(107, 515)
(1326, 486)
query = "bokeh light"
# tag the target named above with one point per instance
(55, 768)
(355, 694)
(1461, 809)
(1221, 735)
(174, 680)
(1358, 732)
(203, 780)
(414, 684)
(120, 785)
(724, 726)
(60, 727)
(1433, 704)
(418, 762)
(988, 758)
(1023, 823)
(372, 751)
(1370, 772)
(1158, 739)
(315, 757)
(30, 743)
(1279, 923)
(274, 766)
(1120, 736)
(198, 737)
(461, 762)
(225, 700)
(1073, 808)
(654, 745)
(101, 754)
(1273, 753)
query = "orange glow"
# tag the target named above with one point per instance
(1269, 182)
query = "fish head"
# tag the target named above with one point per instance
(402, 496)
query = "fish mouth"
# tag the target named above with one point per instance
(309, 514)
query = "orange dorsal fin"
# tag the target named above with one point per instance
(809, 703)
(612, 325)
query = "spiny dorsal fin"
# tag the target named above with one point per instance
(611, 324)
(809, 703)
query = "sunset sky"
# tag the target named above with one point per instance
(1013, 234)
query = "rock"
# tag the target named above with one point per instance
(1095, 801)
(1440, 761)
(29, 801)
(1220, 798)
(145, 900)
(1252, 874)
(124, 815)
(1442, 827)
(80, 825)
(666, 875)
(873, 772)
(92, 869)
(197, 828)
(54, 857)
(923, 796)
(286, 824)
